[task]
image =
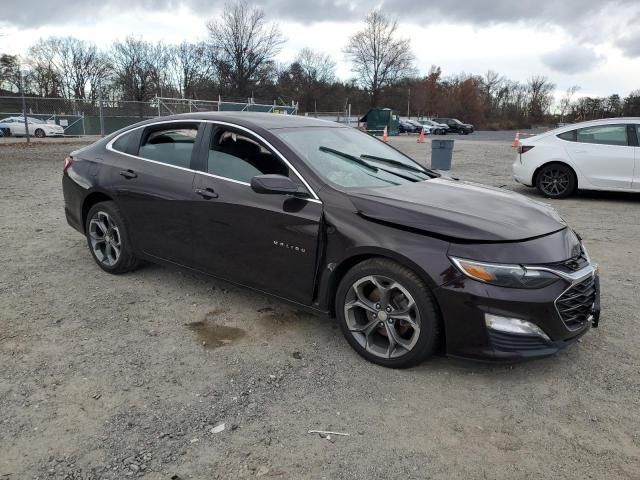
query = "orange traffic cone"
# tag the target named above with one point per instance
(421, 137)
(516, 141)
(385, 135)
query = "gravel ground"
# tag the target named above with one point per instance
(132, 376)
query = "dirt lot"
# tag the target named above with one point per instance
(125, 376)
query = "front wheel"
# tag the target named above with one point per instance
(40, 133)
(388, 314)
(556, 180)
(108, 239)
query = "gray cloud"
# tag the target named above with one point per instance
(551, 12)
(630, 44)
(593, 21)
(571, 59)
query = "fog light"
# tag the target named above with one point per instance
(513, 325)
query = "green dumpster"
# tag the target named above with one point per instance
(378, 118)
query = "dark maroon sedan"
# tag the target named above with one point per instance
(327, 217)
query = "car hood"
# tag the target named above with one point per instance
(458, 210)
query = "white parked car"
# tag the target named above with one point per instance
(595, 155)
(427, 128)
(37, 128)
(437, 128)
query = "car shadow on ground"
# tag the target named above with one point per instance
(273, 315)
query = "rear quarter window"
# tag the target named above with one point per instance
(124, 142)
(569, 136)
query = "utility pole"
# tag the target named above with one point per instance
(409, 104)
(24, 105)
(100, 109)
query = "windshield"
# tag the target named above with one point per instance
(349, 158)
(34, 120)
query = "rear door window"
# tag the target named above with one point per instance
(170, 144)
(603, 135)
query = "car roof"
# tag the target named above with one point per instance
(267, 121)
(588, 123)
(601, 121)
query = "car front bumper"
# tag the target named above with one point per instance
(465, 303)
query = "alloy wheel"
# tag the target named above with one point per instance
(105, 238)
(382, 316)
(554, 182)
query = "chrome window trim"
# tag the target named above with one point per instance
(109, 147)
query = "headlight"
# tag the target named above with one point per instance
(513, 276)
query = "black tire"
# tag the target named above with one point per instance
(116, 229)
(40, 133)
(424, 342)
(556, 180)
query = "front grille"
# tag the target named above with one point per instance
(509, 342)
(575, 306)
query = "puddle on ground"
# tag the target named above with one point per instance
(212, 336)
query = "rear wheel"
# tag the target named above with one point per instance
(556, 180)
(108, 239)
(387, 313)
(39, 133)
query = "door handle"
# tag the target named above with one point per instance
(128, 173)
(206, 193)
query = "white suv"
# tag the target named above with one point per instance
(596, 155)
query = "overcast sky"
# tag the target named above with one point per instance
(591, 43)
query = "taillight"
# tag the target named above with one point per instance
(524, 148)
(67, 163)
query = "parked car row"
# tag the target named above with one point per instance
(37, 128)
(456, 126)
(412, 126)
(436, 126)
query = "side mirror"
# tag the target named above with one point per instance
(273, 184)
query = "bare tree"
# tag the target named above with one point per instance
(190, 65)
(539, 97)
(138, 68)
(492, 83)
(567, 100)
(316, 67)
(246, 45)
(9, 72)
(77, 66)
(378, 58)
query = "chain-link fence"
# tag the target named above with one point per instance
(102, 116)
(345, 117)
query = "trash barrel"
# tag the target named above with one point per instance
(441, 154)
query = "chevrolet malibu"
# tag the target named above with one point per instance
(327, 217)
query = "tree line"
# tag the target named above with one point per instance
(238, 61)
